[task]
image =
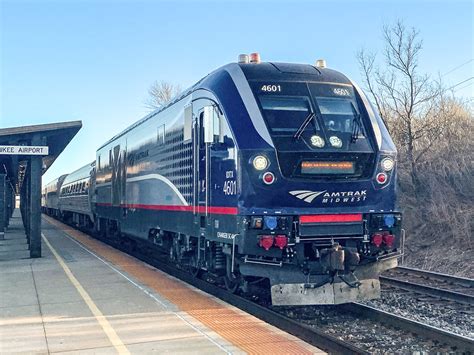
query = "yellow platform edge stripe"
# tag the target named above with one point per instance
(101, 319)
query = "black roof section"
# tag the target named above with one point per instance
(291, 71)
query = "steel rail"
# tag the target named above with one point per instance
(463, 281)
(428, 290)
(458, 342)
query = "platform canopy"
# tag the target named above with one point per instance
(25, 155)
(56, 136)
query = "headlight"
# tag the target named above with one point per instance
(317, 141)
(387, 164)
(260, 162)
(335, 141)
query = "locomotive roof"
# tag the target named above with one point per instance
(292, 71)
(260, 71)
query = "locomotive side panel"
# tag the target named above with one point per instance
(144, 177)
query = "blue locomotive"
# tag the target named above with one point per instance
(276, 173)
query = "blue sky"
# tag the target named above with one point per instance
(94, 60)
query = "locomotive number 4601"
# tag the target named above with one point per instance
(230, 187)
(271, 88)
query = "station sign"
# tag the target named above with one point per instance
(24, 150)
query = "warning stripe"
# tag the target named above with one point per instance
(179, 208)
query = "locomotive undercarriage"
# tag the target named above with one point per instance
(329, 275)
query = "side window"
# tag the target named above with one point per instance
(160, 138)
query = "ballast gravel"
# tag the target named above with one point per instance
(451, 316)
(380, 339)
(369, 335)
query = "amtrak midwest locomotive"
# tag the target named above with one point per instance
(261, 172)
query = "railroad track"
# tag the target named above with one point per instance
(458, 343)
(315, 335)
(430, 283)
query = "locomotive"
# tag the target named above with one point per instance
(266, 172)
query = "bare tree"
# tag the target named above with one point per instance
(433, 133)
(406, 99)
(160, 93)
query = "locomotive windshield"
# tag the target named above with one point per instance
(286, 114)
(321, 117)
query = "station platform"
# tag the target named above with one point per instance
(83, 296)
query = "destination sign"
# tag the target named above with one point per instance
(327, 167)
(23, 150)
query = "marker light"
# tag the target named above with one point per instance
(244, 58)
(268, 178)
(387, 164)
(255, 58)
(260, 162)
(381, 178)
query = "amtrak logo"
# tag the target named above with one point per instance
(331, 197)
(306, 195)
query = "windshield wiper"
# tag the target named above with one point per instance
(303, 126)
(356, 125)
